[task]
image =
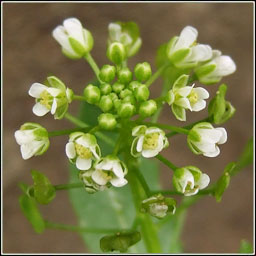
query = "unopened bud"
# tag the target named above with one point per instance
(105, 103)
(107, 121)
(141, 93)
(117, 87)
(124, 75)
(143, 71)
(107, 73)
(92, 94)
(126, 110)
(124, 93)
(116, 53)
(105, 89)
(147, 108)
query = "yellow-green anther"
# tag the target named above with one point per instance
(82, 151)
(151, 141)
(46, 99)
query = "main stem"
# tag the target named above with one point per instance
(148, 229)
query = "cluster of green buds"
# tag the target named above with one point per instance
(123, 97)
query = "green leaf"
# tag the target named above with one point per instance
(245, 247)
(44, 192)
(29, 207)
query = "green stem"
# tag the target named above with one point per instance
(53, 225)
(93, 65)
(157, 74)
(168, 127)
(79, 97)
(69, 186)
(148, 228)
(172, 192)
(188, 127)
(81, 124)
(166, 162)
(75, 121)
(117, 145)
(64, 132)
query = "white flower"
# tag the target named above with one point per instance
(33, 140)
(158, 206)
(189, 180)
(213, 71)
(184, 52)
(52, 99)
(82, 149)
(126, 33)
(74, 39)
(110, 169)
(204, 139)
(148, 142)
(183, 97)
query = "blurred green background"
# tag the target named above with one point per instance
(30, 54)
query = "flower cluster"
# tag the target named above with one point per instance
(122, 98)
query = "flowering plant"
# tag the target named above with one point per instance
(118, 131)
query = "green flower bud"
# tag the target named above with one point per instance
(117, 103)
(105, 89)
(124, 93)
(141, 93)
(92, 94)
(107, 121)
(158, 206)
(113, 96)
(126, 110)
(124, 75)
(132, 85)
(121, 241)
(43, 190)
(117, 87)
(129, 98)
(142, 71)
(219, 109)
(148, 108)
(107, 73)
(116, 53)
(105, 103)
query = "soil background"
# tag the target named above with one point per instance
(30, 54)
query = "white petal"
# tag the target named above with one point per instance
(83, 141)
(204, 181)
(29, 149)
(201, 92)
(205, 146)
(224, 135)
(199, 105)
(118, 182)
(61, 37)
(36, 89)
(118, 170)
(107, 165)
(54, 106)
(201, 52)
(140, 144)
(160, 144)
(187, 37)
(74, 28)
(94, 152)
(147, 153)
(114, 31)
(183, 102)
(210, 135)
(224, 66)
(54, 91)
(70, 150)
(184, 91)
(23, 137)
(216, 53)
(99, 177)
(39, 109)
(191, 192)
(83, 164)
(214, 153)
(153, 130)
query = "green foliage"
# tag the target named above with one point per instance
(245, 247)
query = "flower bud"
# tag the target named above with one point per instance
(33, 140)
(129, 98)
(124, 93)
(107, 73)
(113, 96)
(92, 94)
(117, 103)
(105, 89)
(126, 109)
(107, 121)
(124, 75)
(105, 103)
(117, 87)
(158, 206)
(147, 108)
(116, 53)
(141, 92)
(134, 84)
(74, 39)
(121, 241)
(219, 109)
(142, 71)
